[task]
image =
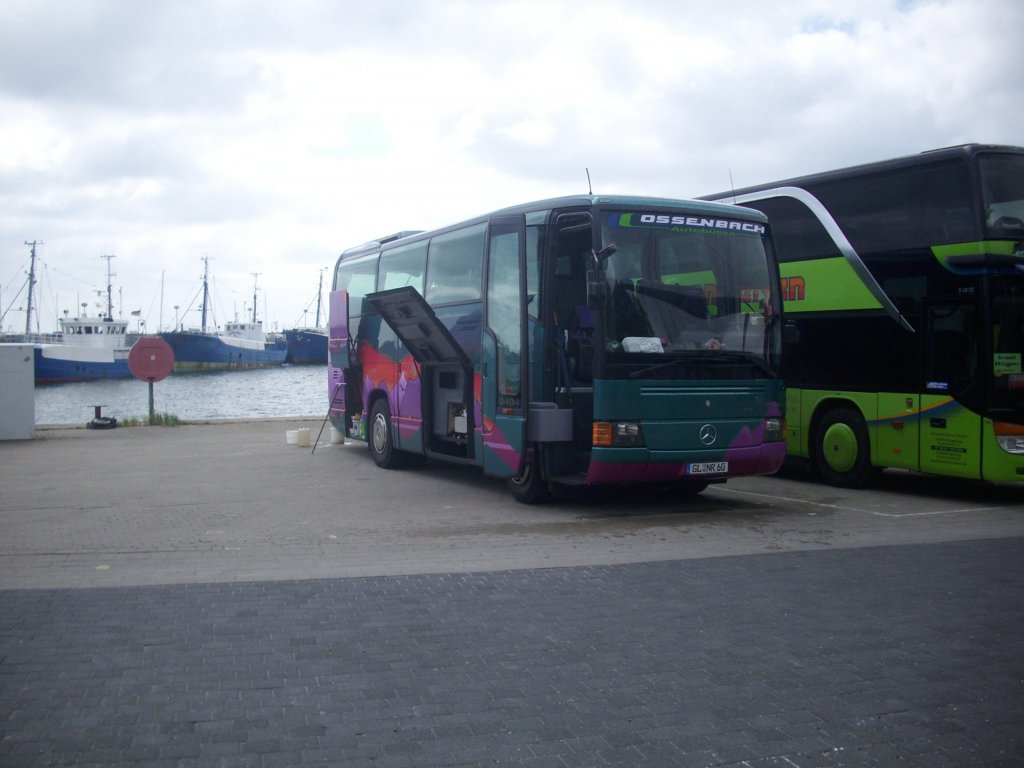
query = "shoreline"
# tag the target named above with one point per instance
(50, 427)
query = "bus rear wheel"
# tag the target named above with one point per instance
(841, 450)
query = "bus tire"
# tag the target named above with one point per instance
(382, 446)
(841, 453)
(529, 487)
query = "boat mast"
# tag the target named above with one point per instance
(31, 285)
(206, 290)
(319, 294)
(110, 291)
(255, 278)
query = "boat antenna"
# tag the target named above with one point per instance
(255, 279)
(590, 188)
(110, 291)
(732, 187)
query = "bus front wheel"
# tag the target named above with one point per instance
(529, 487)
(382, 447)
(841, 454)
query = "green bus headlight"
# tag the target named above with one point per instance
(1010, 436)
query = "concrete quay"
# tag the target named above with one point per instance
(209, 595)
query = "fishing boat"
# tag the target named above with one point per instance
(308, 346)
(88, 348)
(241, 344)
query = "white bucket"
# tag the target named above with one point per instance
(291, 436)
(302, 438)
(336, 437)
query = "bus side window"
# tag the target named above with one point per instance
(358, 277)
(455, 266)
(403, 266)
(534, 248)
(952, 353)
(950, 361)
(797, 231)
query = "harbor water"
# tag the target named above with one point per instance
(283, 392)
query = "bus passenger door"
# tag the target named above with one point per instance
(503, 372)
(338, 353)
(950, 419)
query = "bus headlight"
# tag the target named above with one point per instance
(1010, 436)
(774, 430)
(617, 434)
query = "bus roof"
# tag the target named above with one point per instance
(962, 151)
(570, 201)
(632, 201)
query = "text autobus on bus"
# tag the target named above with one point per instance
(905, 279)
(580, 340)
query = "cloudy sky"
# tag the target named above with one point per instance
(269, 136)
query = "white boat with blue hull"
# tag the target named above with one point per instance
(87, 349)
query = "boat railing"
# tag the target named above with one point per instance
(42, 338)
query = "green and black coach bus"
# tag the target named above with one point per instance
(905, 279)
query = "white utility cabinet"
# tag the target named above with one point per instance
(17, 392)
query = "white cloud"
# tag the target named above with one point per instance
(271, 136)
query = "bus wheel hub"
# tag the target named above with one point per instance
(839, 447)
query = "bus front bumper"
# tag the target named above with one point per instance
(641, 465)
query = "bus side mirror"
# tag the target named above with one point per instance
(597, 289)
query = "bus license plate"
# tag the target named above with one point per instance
(708, 468)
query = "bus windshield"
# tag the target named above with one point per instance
(691, 287)
(1002, 185)
(1008, 347)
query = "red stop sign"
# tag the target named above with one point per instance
(151, 359)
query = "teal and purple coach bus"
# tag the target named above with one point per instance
(582, 340)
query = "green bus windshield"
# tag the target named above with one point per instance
(1002, 186)
(1007, 393)
(690, 285)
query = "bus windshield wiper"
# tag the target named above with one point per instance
(658, 367)
(708, 355)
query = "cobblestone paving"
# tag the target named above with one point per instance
(902, 655)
